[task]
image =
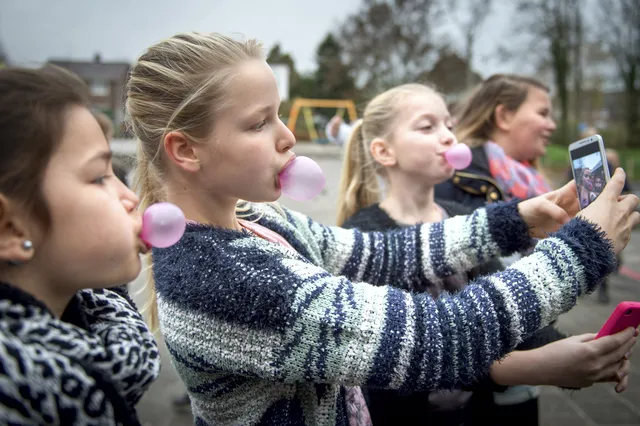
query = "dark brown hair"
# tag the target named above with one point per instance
(33, 104)
(477, 114)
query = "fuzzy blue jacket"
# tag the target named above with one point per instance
(263, 335)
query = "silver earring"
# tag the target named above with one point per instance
(28, 246)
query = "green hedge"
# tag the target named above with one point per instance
(615, 136)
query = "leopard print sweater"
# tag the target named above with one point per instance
(89, 367)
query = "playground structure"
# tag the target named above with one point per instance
(305, 105)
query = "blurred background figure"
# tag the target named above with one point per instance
(338, 131)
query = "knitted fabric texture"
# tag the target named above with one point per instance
(262, 335)
(90, 367)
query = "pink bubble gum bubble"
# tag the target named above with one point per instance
(458, 156)
(163, 225)
(302, 179)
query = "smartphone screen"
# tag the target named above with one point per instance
(589, 171)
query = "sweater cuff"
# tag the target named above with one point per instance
(592, 248)
(507, 227)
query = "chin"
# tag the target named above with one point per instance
(276, 195)
(446, 175)
(543, 149)
(130, 273)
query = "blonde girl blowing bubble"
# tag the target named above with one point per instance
(273, 320)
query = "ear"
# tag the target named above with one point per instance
(503, 118)
(181, 151)
(383, 153)
(13, 234)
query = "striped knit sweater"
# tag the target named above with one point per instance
(262, 335)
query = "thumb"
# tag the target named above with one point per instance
(615, 185)
(610, 343)
(568, 188)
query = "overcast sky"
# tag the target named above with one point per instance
(33, 31)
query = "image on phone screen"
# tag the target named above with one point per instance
(589, 172)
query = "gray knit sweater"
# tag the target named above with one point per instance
(264, 335)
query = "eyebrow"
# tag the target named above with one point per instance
(102, 155)
(264, 109)
(430, 116)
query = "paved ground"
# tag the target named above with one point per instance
(598, 405)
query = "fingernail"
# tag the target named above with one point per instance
(636, 333)
(627, 355)
(621, 375)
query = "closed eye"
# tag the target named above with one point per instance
(101, 180)
(259, 126)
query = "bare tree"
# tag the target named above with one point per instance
(620, 31)
(578, 55)
(3, 55)
(475, 12)
(390, 42)
(553, 22)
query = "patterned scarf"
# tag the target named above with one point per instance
(516, 179)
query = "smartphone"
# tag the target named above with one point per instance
(590, 168)
(625, 315)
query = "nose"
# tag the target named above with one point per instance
(128, 198)
(448, 138)
(286, 139)
(552, 124)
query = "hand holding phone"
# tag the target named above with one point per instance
(625, 315)
(590, 168)
(613, 214)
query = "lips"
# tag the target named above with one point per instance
(278, 185)
(287, 164)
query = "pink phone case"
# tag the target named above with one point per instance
(626, 314)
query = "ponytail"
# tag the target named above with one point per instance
(178, 85)
(359, 186)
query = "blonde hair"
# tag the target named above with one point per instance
(178, 85)
(359, 187)
(476, 116)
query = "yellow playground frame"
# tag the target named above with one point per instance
(305, 105)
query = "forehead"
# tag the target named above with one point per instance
(537, 96)
(253, 84)
(418, 104)
(82, 135)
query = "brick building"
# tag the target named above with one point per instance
(106, 81)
